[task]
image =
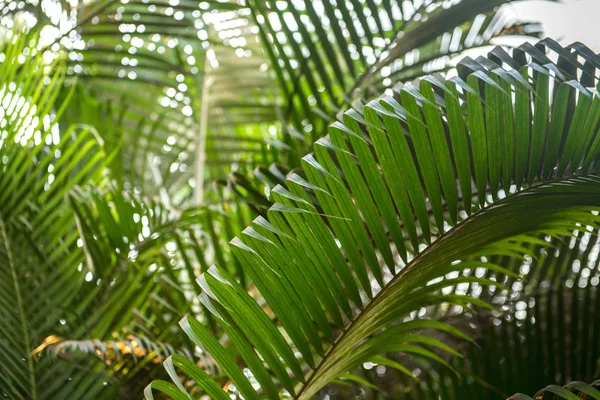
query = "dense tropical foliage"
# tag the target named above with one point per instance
(295, 199)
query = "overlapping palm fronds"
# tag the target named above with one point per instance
(328, 53)
(40, 269)
(191, 87)
(352, 254)
(416, 180)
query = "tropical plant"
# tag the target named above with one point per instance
(392, 210)
(141, 137)
(86, 266)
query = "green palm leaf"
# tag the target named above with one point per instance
(574, 390)
(146, 66)
(411, 147)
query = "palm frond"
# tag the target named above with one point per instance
(573, 390)
(76, 263)
(40, 165)
(401, 192)
(135, 347)
(308, 57)
(544, 330)
(143, 67)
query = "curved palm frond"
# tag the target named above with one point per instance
(396, 198)
(159, 138)
(152, 63)
(571, 391)
(312, 44)
(544, 330)
(550, 332)
(190, 123)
